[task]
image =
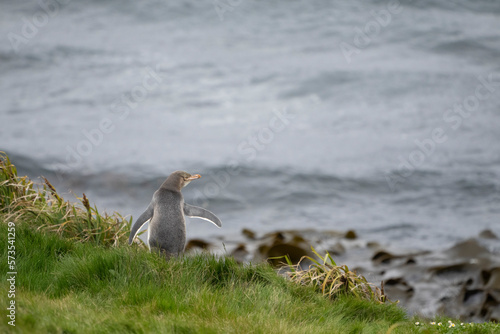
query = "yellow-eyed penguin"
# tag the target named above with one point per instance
(167, 226)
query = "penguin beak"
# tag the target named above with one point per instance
(194, 177)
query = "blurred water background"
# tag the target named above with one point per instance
(327, 115)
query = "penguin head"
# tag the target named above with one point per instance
(179, 179)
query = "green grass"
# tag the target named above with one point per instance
(63, 286)
(76, 274)
(68, 287)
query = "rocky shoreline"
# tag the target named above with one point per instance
(462, 281)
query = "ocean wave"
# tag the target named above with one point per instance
(261, 185)
(42, 58)
(480, 6)
(474, 49)
(11, 60)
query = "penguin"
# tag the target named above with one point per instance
(166, 212)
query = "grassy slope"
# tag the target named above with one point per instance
(68, 287)
(76, 287)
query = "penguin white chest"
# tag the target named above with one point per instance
(149, 235)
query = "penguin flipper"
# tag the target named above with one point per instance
(143, 219)
(197, 212)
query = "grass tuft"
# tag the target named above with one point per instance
(333, 280)
(23, 201)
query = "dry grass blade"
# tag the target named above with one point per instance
(85, 202)
(52, 189)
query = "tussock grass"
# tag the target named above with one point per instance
(333, 280)
(21, 200)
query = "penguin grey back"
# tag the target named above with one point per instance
(165, 213)
(167, 232)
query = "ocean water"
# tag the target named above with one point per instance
(380, 116)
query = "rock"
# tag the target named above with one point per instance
(398, 289)
(467, 249)
(473, 297)
(294, 253)
(495, 315)
(394, 281)
(488, 234)
(282, 243)
(248, 233)
(274, 238)
(383, 257)
(450, 269)
(297, 239)
(240, 253)
(350, 235)
(493, 281)
(372, 244)
(262, 250)
(197, 243)
(336, 249)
